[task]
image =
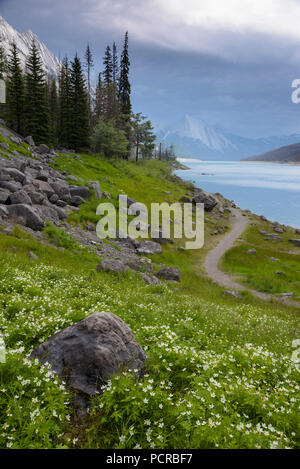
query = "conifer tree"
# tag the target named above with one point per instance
(99, 98)
(65, 109)
(79, 104)
(53, 111)
(124, 84)
(89, 63)
(36, 108)
(124, 94)
(15, 92)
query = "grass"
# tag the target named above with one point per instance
(219, 372)
(275, 268)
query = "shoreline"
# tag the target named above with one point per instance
(293, 163)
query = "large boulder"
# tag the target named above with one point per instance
(169, 273)
(20, 197)
(13, 174)
(88, 353)
(60, 188)
(112, 265)
(4, 195)
(42, 149)
(82, 191)
(10, 186)
(26, 215)
(96, 187)
(205, 198)
(149, 247)
(29, 140)
(44, 187)
(296, 242)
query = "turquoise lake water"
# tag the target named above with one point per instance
(272, 190)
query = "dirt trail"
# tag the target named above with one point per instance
(211, 262)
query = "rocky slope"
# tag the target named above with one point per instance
(286, 154)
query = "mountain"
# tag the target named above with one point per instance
(287, 154)
(193, 138)
(23, 41)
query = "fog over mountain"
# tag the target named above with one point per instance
(194, 138)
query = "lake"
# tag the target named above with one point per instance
(272, 190)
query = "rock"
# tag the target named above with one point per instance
(297, 231)
(233, 293)
(279, 272)
(3, 211)
(277, 229)
(150, 280)
(61, 203)
(112, 265)
(51, 212)
(296, 242)
(10, 186)
(43, 186)
(37, 197)
(20, 197)
(14, 174)
(107, 195)
(286, 295)
(43, 175)
(169, 273)
(271, 236)
(16, 140)
(180, 249)
(29, 140)
(273, 259)
(76, 200)
(28, 216)
(53, 199)
(4, 195)
(4, 145)
(60, 189)
(42, 149)
(186, 200)
(81, 191)
(88, 353)
(159, 236)
(96, 187)
(149, 247)
(31, 255)
(205, 198)
(252, 251)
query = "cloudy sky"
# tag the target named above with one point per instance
(230, 63)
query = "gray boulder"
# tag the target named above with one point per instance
(169, 273)
(96, 187)
(10, 186)
(111, 265)
(81, 191)
(205, 198)
(149, 247)
(42, 149)
(29, 140)
(43, 186)
(16, 140)
(60, 189)
(233, 293)
(14, 174)
(3, 211)
(36, 197)
(150, 280)
(296, 242)
(4, 195)
(88, 353)
(76, 200)
(26, 215)
(4, 145)
(20, 197)
(252, 252)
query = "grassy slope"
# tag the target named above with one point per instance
(219, 372)
(258, 271)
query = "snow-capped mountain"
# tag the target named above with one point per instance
(194, 138)
(23, 41)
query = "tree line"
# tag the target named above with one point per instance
(67, 111)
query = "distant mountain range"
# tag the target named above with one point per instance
(23, 41)
(193, 138)
(286, 154)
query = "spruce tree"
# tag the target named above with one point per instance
(53, 111)
(15, 92)
(79, 104)
(65, 106)
(124, 94)
(99, 98)
(36, 108)
(124, 84)
(89, 63)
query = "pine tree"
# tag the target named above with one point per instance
(15, 92)
(115, 65)
(53, 111)
(79, 104)
(124, 93)
(89, 63)
(124, 85)
(36, 108)
(108, 67)
(108, 85)
(65, 107)
(99, 99)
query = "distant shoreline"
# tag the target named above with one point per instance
(294, 163)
